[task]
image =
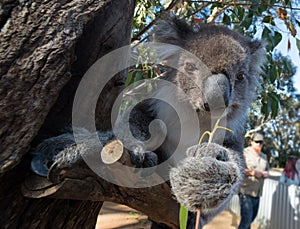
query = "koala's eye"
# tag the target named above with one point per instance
(190, 67)
(240, 76)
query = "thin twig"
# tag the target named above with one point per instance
(197, 11)
(198, 219)
(216, 127)
(216, 13)
(203, 135)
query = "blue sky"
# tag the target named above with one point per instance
(293, 53)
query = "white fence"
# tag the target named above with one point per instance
(279, 206)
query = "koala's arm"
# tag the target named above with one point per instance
(64, 150)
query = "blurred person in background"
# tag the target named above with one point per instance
(291, 172)
(291, 177)
(256, 171)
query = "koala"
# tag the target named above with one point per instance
(219, 84)
(211, 173)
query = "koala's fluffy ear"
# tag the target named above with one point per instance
(258, 54)
(172, 31)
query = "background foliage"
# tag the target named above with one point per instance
(276, 112)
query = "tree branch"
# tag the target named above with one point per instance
(78, 182)
(216, 12)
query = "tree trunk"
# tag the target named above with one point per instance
(46, 47)
(18, 211)
(44, 44)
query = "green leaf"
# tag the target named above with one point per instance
(265, 33)
(129, 78)
(298, 44)
(274, 103)
(287, 66)
(273, 40)
(267, 19)
(183, 217)
(215, 5)
(273, 74)
(138, 76)
(246, 22)
(261, 9)
(264, 109)
(241, 13)
(226, 19)
(277, 38)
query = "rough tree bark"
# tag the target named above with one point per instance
(46, 47)
(43, 45)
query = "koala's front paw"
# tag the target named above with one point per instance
(207, 178)
(46, 152)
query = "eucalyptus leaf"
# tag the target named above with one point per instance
(246, 22)
(241, 13)
(264, 109)
(267, 19)
(265, 33)
(277, 38)
(226, 19)
(273, 74)
(138, 76)
(129, 78)
(298, 44)
(261, 9)
(274, 104)
(183, 217)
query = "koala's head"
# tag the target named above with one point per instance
(224, 73)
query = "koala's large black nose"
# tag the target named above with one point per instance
(216, 92)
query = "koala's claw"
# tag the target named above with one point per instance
(143, 160)
(150, 162)
(39, 165)
(150, 159)
(136, 158)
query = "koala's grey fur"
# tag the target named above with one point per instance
(209, 177)
(211, 174)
